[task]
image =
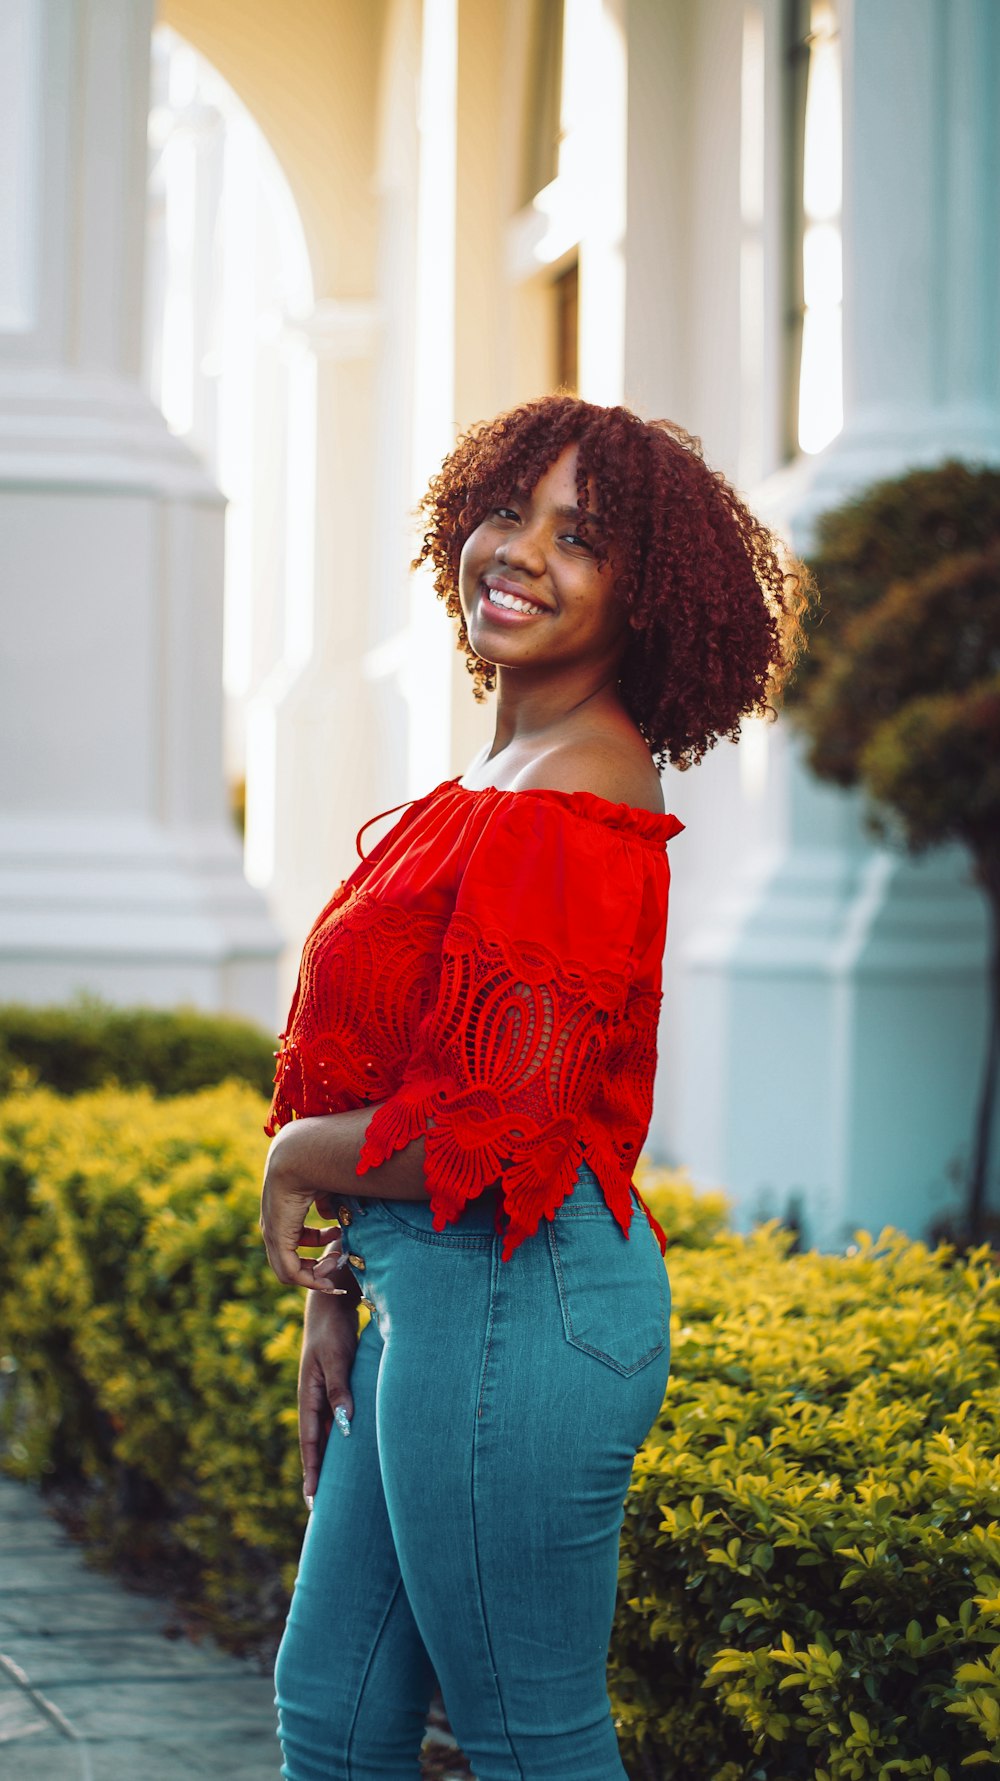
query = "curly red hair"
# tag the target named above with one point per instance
(715, 603)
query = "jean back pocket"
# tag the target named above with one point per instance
(613, 1290)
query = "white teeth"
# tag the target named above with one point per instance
(498, 598)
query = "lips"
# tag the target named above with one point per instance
(510, 598)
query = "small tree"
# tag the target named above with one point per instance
(900, 692)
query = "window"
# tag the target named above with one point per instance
(543, 112)
(566, 289)
(815, 285)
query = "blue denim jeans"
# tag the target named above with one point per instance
(468, 1528)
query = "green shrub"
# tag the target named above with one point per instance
(810, 1578)
(172, 1051)
(897, 530)
(690, 1219)
(155, 1352)
(156, 1355)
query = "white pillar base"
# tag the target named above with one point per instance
(132, 914)
(121, 875)
(119, 870)
(833, 1011)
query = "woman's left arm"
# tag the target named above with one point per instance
(313, 1161)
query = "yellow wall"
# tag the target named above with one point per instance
(308, 70)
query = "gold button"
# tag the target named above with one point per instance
(344, 1216)
(357, 1261)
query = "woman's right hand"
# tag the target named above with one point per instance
(329, 1341)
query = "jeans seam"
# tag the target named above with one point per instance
(451, 1238)
(488, 1343)
(475, 1523)
(349, 1744)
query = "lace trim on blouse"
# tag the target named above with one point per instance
(515, 1030)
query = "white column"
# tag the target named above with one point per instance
(314, 745)
(831, 1005)
(120, 874)
(424, 681)
(356, 714)
(683, 360)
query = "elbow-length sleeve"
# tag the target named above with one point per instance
(555, 917)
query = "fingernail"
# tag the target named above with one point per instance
(309, 1504)
(340, 1417)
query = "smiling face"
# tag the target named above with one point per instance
(533, 592)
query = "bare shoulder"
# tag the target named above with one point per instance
(607, 768)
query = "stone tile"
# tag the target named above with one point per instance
(238, 1759)
(67, 1611)
(20, 1718)
(186, 1709)
(144, 1707)
(48, 1763)
(116, 1656)
(49, 1566)
(25, 1522)
(28, 1540)
(18, 1502)
(135, 1760)
(22, 1518)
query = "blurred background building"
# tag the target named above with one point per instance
(258, 264)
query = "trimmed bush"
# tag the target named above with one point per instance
(810, 1578)
(156, 1355)
(172, 1051)
(691, 1219)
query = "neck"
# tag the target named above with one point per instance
(531, 712)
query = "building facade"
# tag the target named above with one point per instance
(330, 236)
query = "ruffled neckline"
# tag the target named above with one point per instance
(625, 819)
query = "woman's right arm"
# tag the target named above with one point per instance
(314, 1161)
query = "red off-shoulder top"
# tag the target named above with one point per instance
(490, 972)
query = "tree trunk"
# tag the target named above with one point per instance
(979, 1170)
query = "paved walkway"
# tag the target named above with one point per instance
(90, 1687)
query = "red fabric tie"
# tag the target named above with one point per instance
(374, 819)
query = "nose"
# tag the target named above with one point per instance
(523, 549)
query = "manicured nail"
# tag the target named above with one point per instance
(341, 1419)
(309, 1503)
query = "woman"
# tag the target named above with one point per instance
(465, 1083)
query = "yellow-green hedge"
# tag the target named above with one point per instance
(88, 1043)
(691, 1219)
(154, 1350)
(811, 1551)
(811, 1554)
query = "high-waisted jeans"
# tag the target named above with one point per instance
(468, 1527)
